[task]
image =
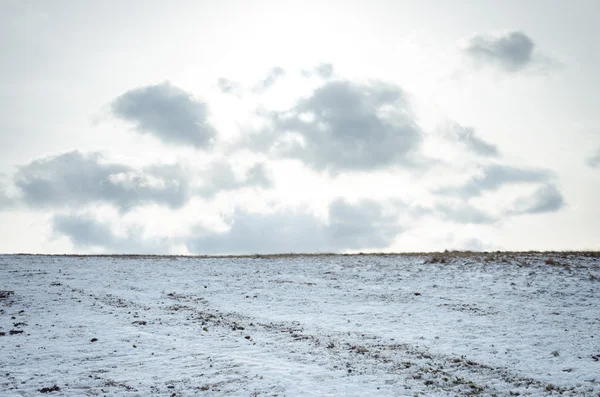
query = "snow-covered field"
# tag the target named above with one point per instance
(487, 324)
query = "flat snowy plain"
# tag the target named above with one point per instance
(381, 325)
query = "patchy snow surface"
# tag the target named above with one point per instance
(489, 324)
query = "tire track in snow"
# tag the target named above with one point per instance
(360, 354)
(351, 354)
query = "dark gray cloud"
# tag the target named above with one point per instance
(494, 176)
(467, 137)
(511, 52)
(350, 226)
(344, 126)
(167, 112)
(77, 179)
(87, 232)
(463, 213)
(594, 160)
(546, 198)
(274, 74)
(228, 87)
(324, 70)
(221, 177)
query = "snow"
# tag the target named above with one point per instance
(324, 325)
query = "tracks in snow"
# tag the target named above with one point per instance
(217, 352)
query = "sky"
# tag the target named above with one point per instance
(248, 127)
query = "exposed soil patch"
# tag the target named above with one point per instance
(49, 389)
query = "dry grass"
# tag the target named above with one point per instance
(552, 262)
(433, 257)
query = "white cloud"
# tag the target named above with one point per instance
(349, 226)
(462, 212)
(274, 75)
(167, 112)
(352, 127)
(510, 52)
(227, 86)
(219, 176)
(86, 232)
(78, 179)
(324, 70)
(594, 160)
(365, 224)
(494, 176)
(546, 198)
(467, 137)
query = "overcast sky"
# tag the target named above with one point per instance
(204, 127)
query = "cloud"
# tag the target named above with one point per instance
(345, 126)
(5, 200)
(467, 137)
(511, 52)
(494, 176)
(463, 213)
(167, 112)
(324, 70)
(366, 224)
(258, 175)
(363, 225)
(473, 244)
(350, 226)
(87, 232)
(594, 160)
(77, 179)
(220, 176)
(275, 74)
(546, 198)
(227, 86)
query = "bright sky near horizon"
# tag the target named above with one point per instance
(225, 127)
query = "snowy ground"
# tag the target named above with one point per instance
(489, 324)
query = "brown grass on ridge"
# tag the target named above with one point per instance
(437, 257)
